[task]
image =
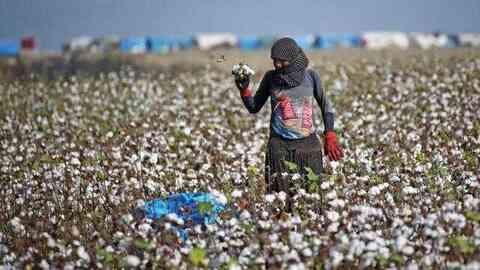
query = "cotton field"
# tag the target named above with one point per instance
(79, 153)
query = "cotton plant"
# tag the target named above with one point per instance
(88, 149)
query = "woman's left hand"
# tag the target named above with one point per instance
(331, 148)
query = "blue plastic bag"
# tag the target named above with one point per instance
(192, 207)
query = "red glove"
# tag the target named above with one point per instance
(331, 148)
(245, 92)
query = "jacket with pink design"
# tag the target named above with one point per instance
(292, 114)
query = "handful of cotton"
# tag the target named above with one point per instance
(242, 71)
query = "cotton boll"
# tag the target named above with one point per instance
(332, 216)
(331, 195)
(132, 261)
(336, 258)
(410, 190)
(400, 242)
(374, 191)
(337, 203)
(333, 227)
(236, 193)
(82, 254)
(245, 215)
(282, 196)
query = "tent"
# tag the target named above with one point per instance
(9, 47)
(28, 43)
(267, 41)
(78, 44)
(105, 44)
(133, 45)
(208, 41)
(333, 40)
(249, 42)
(453, 40)
(432, 40)
(305, 42)
(382, 40)
(162, 44)
(469, 39)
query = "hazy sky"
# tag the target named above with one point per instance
(54, 21)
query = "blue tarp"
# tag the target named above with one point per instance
(305, 42)
(453, 41)
(267, 41)
(249, 43)
(9, 47)
(192, 207)
(167, 43)
(332, 40)
(133, 44)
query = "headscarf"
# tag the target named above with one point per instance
(293, 74)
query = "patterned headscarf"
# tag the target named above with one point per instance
(292, 75)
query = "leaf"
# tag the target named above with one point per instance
(420, 157)
(45, 158)
(104, 255)
(100, 176)
(461, 242)
(248, 227)
(252, 170)
(474, 216)
(196, 256)
(397, 259)
(143, 244)
(228, 265)
(99, 156)
(204, 207)
(382, 261)
(313, 187)
(291, 166)
(311, 176)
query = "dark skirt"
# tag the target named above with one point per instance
(304, 153)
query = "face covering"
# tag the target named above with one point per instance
(293, 74)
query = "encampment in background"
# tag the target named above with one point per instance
(208, 41)
(383, 40)
(165, 44)
(338, 40)
(9, 47)
(304, 41)
(133, 45)
(469, 39)
(28, 43)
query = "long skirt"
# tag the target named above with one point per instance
(306, 152)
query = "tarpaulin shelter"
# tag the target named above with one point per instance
(249, 42)
(382, 40)
(453, 40)
(333, 40)
(105, 44)
(305, 42)
(267, 41)
(78, 44)
(133, 45)
(28, 43)
(163, 44)
(208, 41)
(469, 39)
(9, 47)
(431, 40)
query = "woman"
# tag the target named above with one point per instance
(292, 88)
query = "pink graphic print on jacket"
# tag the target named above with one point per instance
(307, 114)
(286, 108)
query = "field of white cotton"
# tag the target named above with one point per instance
(78, 152)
